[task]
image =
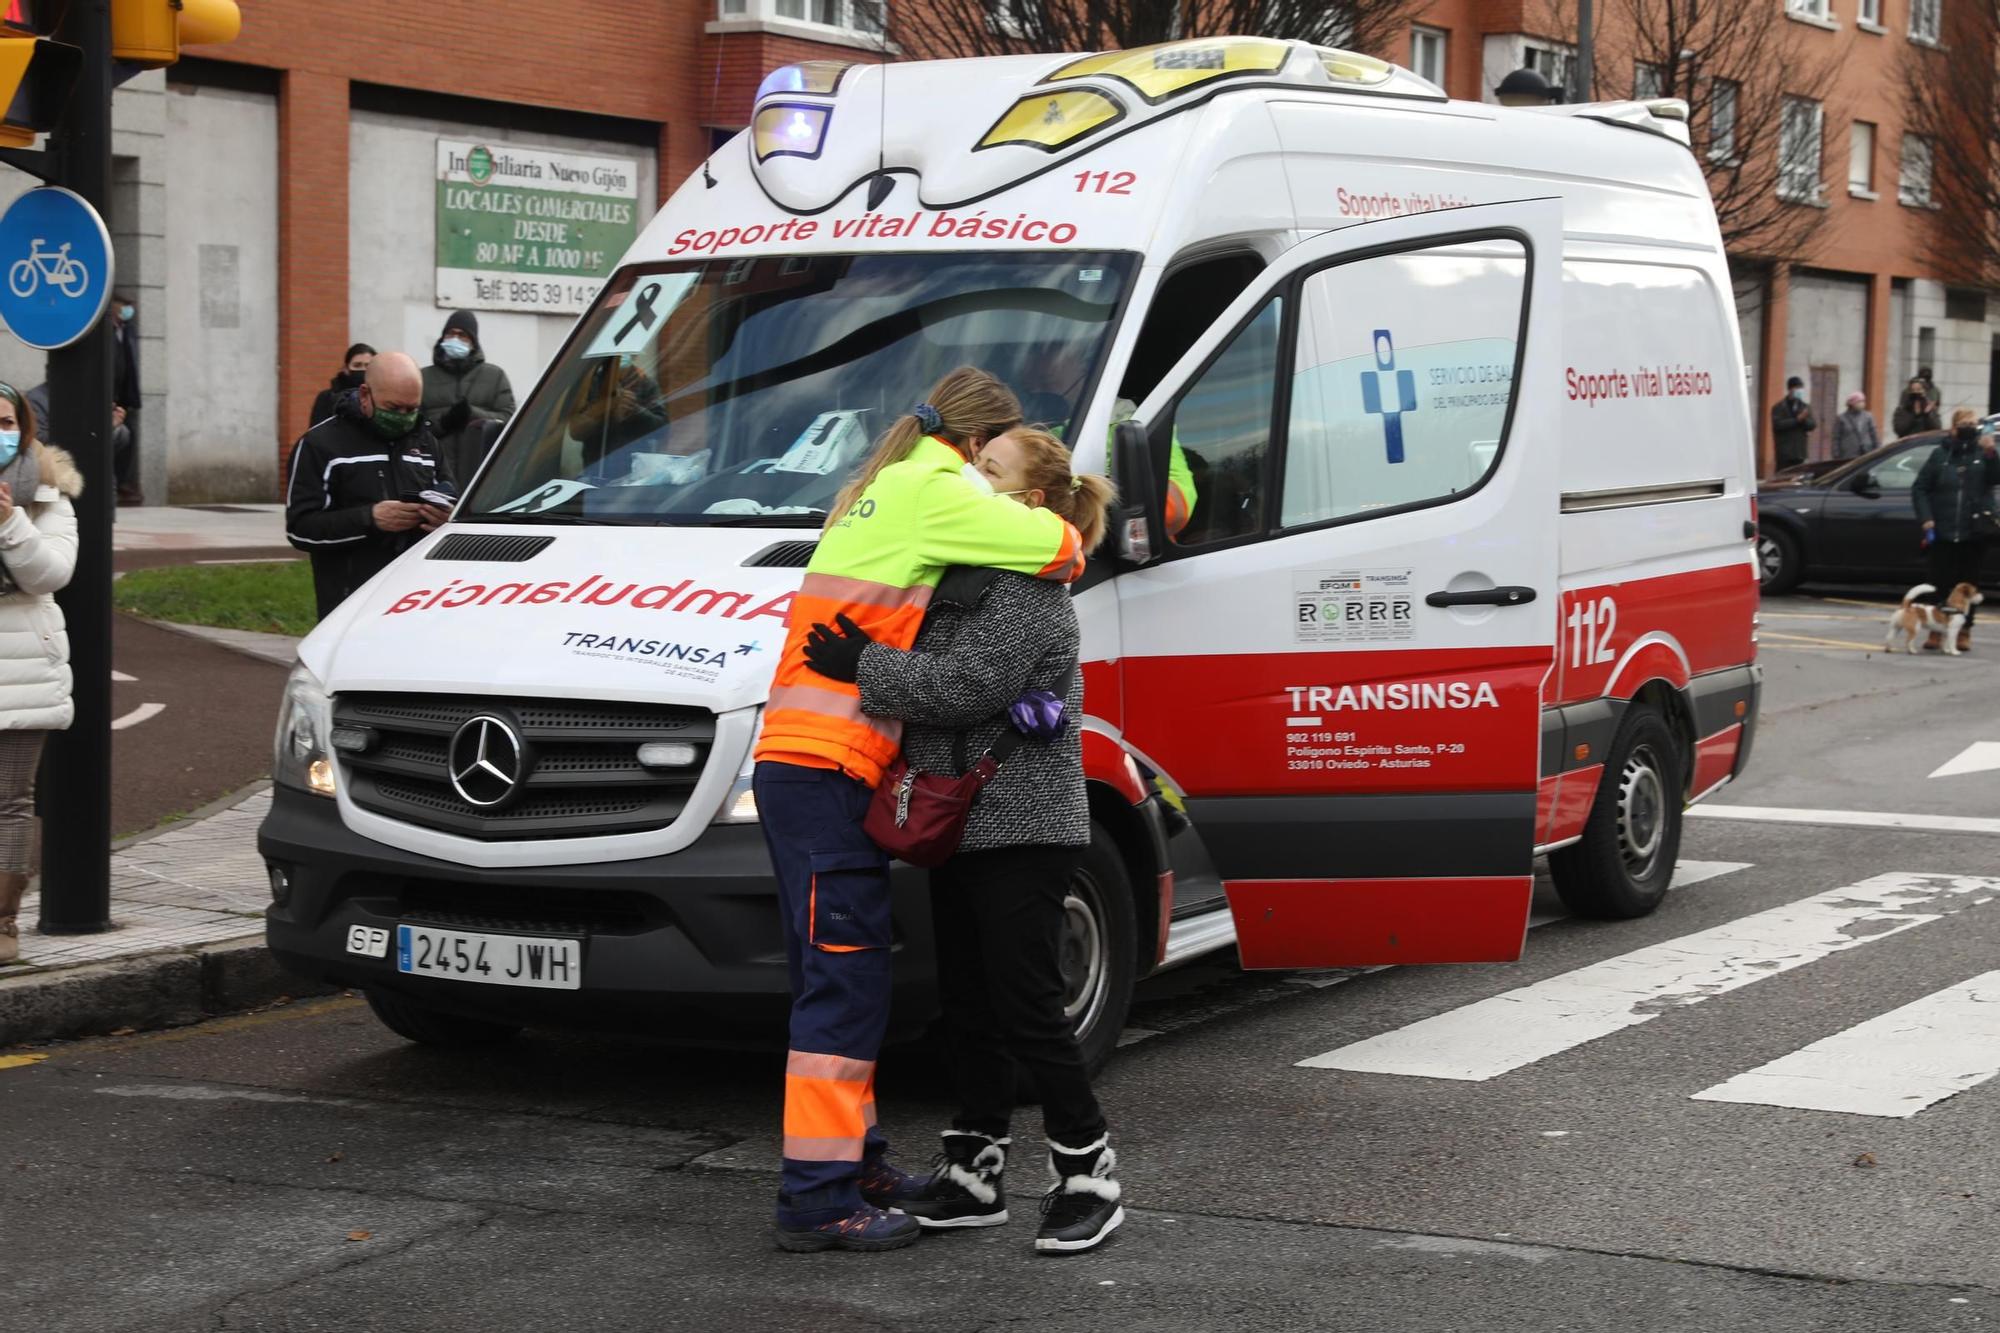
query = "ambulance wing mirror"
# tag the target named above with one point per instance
(1141, 505)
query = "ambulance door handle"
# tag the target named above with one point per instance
(1482, 597)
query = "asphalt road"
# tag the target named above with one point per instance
(303, 1169)
(194, 723)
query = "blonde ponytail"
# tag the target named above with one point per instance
(966, 405)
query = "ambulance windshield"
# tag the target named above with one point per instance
(746, 391)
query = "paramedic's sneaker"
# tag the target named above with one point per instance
(885, 1184)
(866, 1228)
(1084, 1206)
(967, 1190)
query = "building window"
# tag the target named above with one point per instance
(1924, 21)
(1553, 63)
(1648, 81)
(1861, 159)
(1913, 174)
(1869, 13)
(1965, 304)
(1427, 54)
(1799, 127)
(1810, 9)
(1722, 121)
(865, 16)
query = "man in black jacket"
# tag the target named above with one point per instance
(1792, 423)
(353, 504)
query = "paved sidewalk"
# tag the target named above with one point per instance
(187, 941)
(198, 527)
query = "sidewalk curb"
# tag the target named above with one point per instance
(156, 990)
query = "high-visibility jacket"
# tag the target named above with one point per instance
(878, 564)
(1181, 495)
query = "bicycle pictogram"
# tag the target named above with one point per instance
(54, 267)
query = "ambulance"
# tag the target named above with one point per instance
(1467, 578)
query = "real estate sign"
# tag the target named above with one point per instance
(534, 229)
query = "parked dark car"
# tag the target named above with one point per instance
(1850, 524)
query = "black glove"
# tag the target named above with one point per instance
(837, 656)
(454, 418)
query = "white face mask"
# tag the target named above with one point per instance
(978, 479)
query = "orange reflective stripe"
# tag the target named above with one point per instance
(1067, 566)
(862, 592)
(1178, 510)
(809, 1064)
(801, 1148)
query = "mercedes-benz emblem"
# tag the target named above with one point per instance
(485, 762)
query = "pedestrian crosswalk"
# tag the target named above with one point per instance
(1896, 1064)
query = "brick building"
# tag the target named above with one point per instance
(291, 192)
(1864, 307)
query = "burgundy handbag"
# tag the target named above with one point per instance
(920, 817)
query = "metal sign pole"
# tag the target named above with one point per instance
(76, 767)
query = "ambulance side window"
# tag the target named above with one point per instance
(1221, 427)
(1402, 379)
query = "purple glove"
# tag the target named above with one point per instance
(1037, 715)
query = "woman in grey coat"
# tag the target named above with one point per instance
(988, 638)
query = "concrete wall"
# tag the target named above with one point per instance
(221, 248)
(1827, 326)
(392, 241)
(1964, 350)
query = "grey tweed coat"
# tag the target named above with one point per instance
(989, 636)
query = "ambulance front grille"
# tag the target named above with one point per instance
(579, 774)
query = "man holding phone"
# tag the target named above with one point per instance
(364, 483)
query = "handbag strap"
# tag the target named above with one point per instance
(1011, 738)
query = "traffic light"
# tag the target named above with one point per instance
(36, 74)
(150, 33)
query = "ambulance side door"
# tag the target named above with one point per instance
(1339, 661)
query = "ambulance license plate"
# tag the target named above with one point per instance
(496, 960)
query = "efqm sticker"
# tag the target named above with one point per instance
(1353, 606)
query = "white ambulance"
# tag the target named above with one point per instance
(1467, 579)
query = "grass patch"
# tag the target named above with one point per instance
(273, 598)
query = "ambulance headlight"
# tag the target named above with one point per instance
(301, 754)
(1050, 120)
(789, 129)
(740, 805)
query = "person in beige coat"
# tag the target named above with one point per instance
(37, 558)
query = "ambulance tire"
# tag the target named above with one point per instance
(1779, 564)
(433, 1027)
(1621, 866)
(1100, 948)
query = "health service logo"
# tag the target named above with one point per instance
(1387, 392)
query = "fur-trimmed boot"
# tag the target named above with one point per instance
(1965, 639)
(12, 887)
(968, 1189)
(1935, 643)
(1083, 1208)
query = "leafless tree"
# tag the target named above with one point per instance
(1949, 105)
(1745, 71)
(938, 29)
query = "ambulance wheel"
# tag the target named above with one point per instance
(1100, 948)
(1620, 868)
(1779, 566)
(433, 1027)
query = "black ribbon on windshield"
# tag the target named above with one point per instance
(642, 317)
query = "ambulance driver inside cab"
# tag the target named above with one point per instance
(998, 655)
(889, 536)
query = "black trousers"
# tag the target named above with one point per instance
(999, 919)
(1953, 563)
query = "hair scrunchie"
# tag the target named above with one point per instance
(928, 417)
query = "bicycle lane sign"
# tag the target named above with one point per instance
(55, 268)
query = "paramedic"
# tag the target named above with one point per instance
(907, 515)
(997, 905)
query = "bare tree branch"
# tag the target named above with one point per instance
(1742, 68)
(1949, 102)
(941, 29)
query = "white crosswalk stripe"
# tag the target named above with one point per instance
(1893, 1065)
(1488, 1038)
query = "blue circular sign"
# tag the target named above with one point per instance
(55, 268)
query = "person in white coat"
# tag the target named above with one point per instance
(37, 558)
